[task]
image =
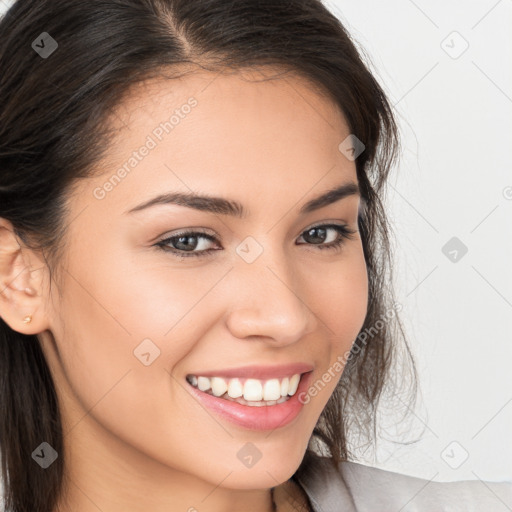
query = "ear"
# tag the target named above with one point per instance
(21, 291)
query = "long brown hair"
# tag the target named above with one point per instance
(53, 130)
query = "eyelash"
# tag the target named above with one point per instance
(343, 230)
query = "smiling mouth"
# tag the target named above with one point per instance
(246, 391)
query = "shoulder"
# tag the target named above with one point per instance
(379, 489)
(356, 487)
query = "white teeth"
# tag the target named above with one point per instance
(203, 383)
(256, 404)
(235, 388)
(254, 390)
(284, 386)
(272, 390)
(219, 386)
(294, 383)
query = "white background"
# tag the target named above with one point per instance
(455, 116)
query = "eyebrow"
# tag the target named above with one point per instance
(222, 206)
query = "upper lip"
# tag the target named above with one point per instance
(258, 371)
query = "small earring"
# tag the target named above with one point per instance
(27, 319)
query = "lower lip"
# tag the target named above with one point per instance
(267, 417)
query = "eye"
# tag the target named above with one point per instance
(188, 243)
(341, 233)
(184, 244)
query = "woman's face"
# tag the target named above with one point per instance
(132, 318)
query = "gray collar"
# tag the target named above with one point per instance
(324, 485)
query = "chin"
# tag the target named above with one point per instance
(263, 475)
(256, 481)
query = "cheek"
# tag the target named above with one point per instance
(117, 315)
(101, 375)
(340, 303)
(338, 295)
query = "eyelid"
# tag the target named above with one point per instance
(186, 231)
(213, 237)
(327, 222)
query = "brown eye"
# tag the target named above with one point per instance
(185, 244)
(317, 235)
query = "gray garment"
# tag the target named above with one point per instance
(360, 488)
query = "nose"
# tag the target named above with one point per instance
(268, 303)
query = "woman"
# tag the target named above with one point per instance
(194, 261)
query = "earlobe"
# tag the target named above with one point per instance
(19, 298)
(28, 291)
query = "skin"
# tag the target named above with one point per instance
(135, 438)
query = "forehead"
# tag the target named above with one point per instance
(237, 134)
(236, 108)
(244, 89)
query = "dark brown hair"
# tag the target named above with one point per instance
(53, 130)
